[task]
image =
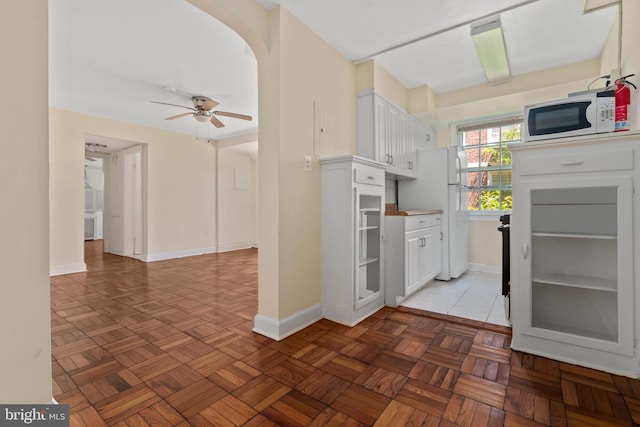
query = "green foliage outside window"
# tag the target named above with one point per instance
(498, 165)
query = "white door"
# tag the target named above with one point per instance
(125, 215)
(114, 236)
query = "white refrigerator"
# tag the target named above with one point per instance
(441, 184)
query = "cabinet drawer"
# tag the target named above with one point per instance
(371, 176)
(416, 222)
(577, 162)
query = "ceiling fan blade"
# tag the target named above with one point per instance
(234, 115)
(209, 104)
(174, 105)
(177, 116)
(217, 123)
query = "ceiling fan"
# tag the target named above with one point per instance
(203, 111)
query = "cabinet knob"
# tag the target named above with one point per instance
(370, 177)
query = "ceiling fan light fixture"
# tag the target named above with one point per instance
(488, 40)
(201, 117)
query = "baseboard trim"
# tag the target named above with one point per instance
(485, 268)
(280, 329)
(235, 247)
(59, 270)
(178, 254)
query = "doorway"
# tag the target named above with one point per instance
(124, 208)
(114, 195)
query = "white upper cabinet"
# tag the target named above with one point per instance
(390, 135)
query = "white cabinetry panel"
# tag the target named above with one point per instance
(413, 249)
(572, 253)
(389, 134)
(351, 238)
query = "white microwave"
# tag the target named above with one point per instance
(573, 116)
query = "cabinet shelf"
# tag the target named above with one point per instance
(594, 283)
(588, 333)
(369, 210)
(365, 261)
(575, 235)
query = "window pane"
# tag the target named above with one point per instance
(490, 200)
(505, 156)
(505, 177)
(490, 156)
(511, 133)
(470, 138)
(473, 200)
(506, 203)
(472, 179)
(472, 156)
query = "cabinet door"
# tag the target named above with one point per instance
(432, 254)
(413, 259)
(368, 244)
(574, 256)
(393, 138)
(381, 129)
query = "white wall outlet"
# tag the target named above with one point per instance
(307, 163)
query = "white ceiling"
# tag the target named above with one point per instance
(111, 58)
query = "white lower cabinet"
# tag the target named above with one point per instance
(573, 238)
(351, 238)
(413, 252)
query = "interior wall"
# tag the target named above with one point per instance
(236, 200)
(180, 193)
(310, 71)
(25, 357)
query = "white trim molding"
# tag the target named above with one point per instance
(235, 247)
(178, 254)
(59, 270)
(280, 329)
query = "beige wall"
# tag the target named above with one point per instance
(179, 194)
(25, 354)
(236, 200)
(310, 71)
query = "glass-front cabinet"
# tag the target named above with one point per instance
(368, 248)
(579, 287)
(352, 238)
(574, 252)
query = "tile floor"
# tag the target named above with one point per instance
(474, 295)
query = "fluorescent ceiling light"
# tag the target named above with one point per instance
(489, 42)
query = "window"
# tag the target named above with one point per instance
(489, 162)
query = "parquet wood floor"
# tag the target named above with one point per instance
(169, 343)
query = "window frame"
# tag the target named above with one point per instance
(457, 134)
